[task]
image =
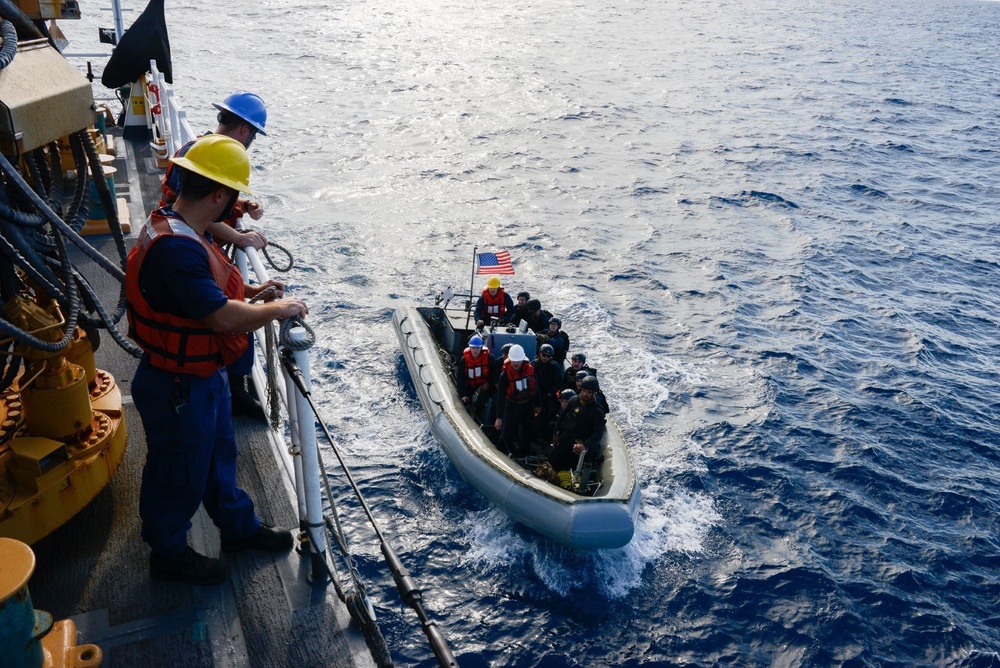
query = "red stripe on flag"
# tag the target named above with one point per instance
(495, 263)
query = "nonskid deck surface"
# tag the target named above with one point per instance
(95, 568)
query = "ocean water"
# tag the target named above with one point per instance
(772, 226)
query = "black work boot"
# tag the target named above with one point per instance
(189, 567)
(266, 538)
(244, 401)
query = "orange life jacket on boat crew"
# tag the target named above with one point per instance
(494, 305)
(477, 369)
(520, 382)
(175, 343)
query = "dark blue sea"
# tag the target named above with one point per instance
(773, 227)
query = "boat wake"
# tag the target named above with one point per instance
(671, 521)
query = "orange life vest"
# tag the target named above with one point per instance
(494, 305)
(477, 369)
(175, 343)
(520, 382)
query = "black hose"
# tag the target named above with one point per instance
(405, 584)
(76, 214)
(25, 28)
(50, 215)
(35, 267)
(9, 48)
(108, 200)
(108, 322)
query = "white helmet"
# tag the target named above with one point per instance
(516, 354)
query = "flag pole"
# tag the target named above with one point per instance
(472, 286)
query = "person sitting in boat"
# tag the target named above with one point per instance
(579, 428)
(578, 362)
(520, 308)
(493, 304)
(474, 376)
(517, 403)
(241, 116)
(548, 378)
(538, 318)
(558, 339)
(599, 397)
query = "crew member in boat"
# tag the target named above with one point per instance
(579, 428)
(493, 304)
(538, 318)
(578, 362)
(520, 307)
(517, 403)
(599, 397)
(558, 339)
(186, 310)
(474, 376)
(242, 116)
(548, 379)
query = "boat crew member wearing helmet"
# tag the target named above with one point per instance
(538, 318)
(186, 310)
(548, 378)
(493, 304)
(599, 397)
(474, 376)
(242, 116)
(580, 427)
(558, 339)
(578, 362)
(517, 403)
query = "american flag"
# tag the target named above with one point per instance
(495, 263)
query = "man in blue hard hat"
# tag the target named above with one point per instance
(474, 383)
(242, 116)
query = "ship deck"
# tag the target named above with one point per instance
(94, 569)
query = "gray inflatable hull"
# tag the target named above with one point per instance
(606, 520)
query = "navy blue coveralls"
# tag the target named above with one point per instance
(191, 450)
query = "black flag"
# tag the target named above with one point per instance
(145, 40)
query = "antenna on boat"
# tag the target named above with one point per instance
(472, 287)
(406, 585)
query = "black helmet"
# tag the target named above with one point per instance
(579, 357)
(590, 383)
(581, 374)
(556, 321)
(534, 305)
(506, 348)
(566, 395)
(524, 294)
(547, 349)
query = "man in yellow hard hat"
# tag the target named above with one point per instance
(493, 304)
(186, 310)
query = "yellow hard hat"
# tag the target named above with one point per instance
(493, 282)
(219, 158)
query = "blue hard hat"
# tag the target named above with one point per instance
(247, 106)
(476, 341)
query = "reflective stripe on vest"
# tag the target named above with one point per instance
(495, 306)
(477, 369)
(520, 382)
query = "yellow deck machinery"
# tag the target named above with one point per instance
(61, 431)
